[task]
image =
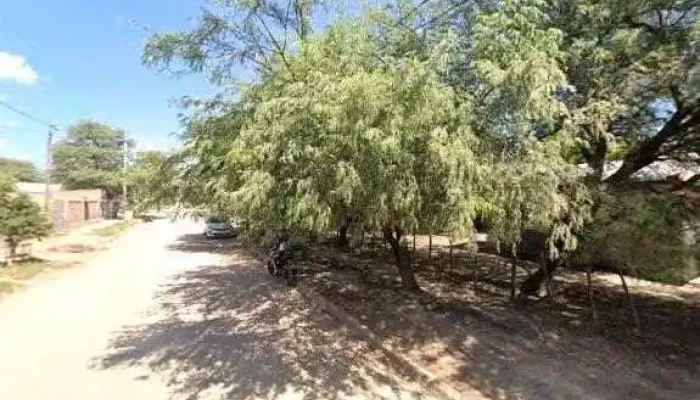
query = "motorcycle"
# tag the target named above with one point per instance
(279, 265)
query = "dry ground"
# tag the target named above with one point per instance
(475, 336)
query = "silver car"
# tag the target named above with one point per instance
(217, 227)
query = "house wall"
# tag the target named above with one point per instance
(71, 207)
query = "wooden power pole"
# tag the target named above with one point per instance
(47, 170)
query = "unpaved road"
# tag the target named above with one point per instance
(165, 314)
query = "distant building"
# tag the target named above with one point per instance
(67, 207)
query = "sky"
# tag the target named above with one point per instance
(68, 60)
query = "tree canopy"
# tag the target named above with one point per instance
(421, 116)
(90, 157)
(20, 170)
(21, 218)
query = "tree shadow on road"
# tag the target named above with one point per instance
(233, 332)
(501, 348)
(198, 243)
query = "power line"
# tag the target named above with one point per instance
(26, 114)
(8, 128)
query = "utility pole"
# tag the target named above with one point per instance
(124, 162)
(47, 170)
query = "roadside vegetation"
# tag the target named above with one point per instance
(114, 230)
(21, 219)
(434, 117)
(561, 136)
(15, 275)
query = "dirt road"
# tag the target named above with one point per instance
(165, 314)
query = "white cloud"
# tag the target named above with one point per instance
(16, 68)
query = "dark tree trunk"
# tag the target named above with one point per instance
(630, 301)
(414, 256)
(533, 246)
(533, 283)
(513, 273)
(343, 234)
(589, 287)
(430, 247)
(408, 278)
(12, 246)
(451, 261)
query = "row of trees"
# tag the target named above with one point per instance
(423, 116)
(90, 156)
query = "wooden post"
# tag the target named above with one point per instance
(513, 272)
(430, 247)
(591, 301)
(414, 249)
(637, 324)
(451, 263)
(547, 278)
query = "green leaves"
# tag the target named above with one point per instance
(20, 170)
(20, 218)
(91, 156)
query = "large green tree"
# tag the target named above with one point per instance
(90, 157)
(423, 115)
(20, 170)
(20, 218)
(331, 130)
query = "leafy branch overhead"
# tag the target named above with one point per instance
(423, 116)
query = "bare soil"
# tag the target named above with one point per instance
(464, 327)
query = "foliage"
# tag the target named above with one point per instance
(640, 233)
(425, 115)
(229, 33)
(114, 230)
(20, 170)
(20, 219)
(147, 178)
(90, 157)
(538, 190)
(376, 141)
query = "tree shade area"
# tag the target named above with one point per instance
(426, 116)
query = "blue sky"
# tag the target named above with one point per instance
(66, 60)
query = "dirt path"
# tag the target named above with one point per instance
(164, 314)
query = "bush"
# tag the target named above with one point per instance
(640, 233)
(20, 219)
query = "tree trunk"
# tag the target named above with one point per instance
(591, 300)
(533, 283)
(414, 245)
(513, 272)
(408, 278)
(451, 262)
(12, 246)
(343, 235)
(637, 324)
(430, 247)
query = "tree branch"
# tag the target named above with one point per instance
(647, 151)
(277, 45)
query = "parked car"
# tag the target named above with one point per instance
(217, 227)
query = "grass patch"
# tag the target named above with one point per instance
(114, 230)
(6, 287)
(25, 269)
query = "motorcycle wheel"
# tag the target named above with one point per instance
(271, 267)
